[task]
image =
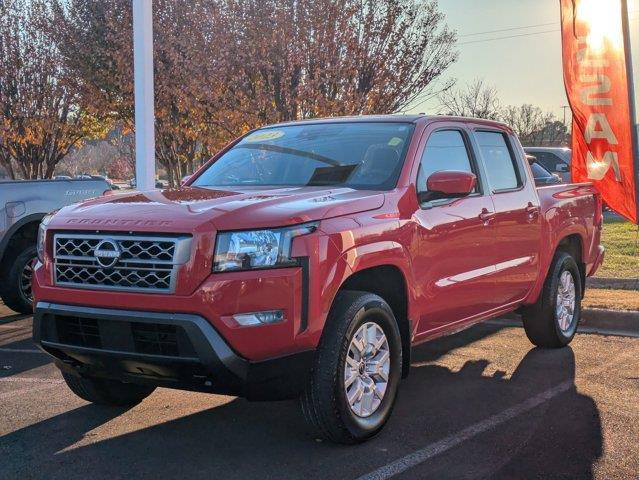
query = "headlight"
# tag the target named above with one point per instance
(42, 237)
(245, 250)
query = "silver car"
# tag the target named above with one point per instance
(23, 204)
(554, 159)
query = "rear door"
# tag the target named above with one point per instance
(455, 254)
(517, 222)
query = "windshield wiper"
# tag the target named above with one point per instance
(292, 151)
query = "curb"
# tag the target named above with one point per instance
(618, 322)
(623, 323)
(613, 283)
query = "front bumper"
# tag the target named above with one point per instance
(217, 299)
(173, 350)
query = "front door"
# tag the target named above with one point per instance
(456, 258)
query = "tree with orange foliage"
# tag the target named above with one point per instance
(223, 67)
(40, 120)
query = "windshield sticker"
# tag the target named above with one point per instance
(262, 136)
(393, 142)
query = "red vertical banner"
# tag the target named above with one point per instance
(597, 79)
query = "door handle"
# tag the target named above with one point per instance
(532, 210)
(486, 215)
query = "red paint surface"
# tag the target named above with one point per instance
(469, 260)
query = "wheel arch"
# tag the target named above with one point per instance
(389, 281)
(25, 228)
(573, 245)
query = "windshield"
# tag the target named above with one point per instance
(361, 155)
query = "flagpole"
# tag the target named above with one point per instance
(631, 97)
(143, 93)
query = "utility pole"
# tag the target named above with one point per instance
(144, 94)
(564, 107)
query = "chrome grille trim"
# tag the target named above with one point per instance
(146, 263)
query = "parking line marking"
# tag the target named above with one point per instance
(30, 380)
(21, 350)
(413, 459)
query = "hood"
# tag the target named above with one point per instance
(188, 209)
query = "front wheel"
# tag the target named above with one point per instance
(552, 321)
(356, 373)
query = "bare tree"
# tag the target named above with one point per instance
(313, 58)
(475, 99)
(123, 139)
(534, 126)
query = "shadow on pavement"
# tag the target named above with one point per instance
(14, 317)
(559, 439)
(17, 363)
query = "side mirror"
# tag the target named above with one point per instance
(562, 167)
(448, 184)
(185, 179)
(531, 159)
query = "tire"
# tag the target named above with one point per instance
(15, 288)
(107, 392)
(324, 402)
(543, 320)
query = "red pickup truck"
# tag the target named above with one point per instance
(307, 259)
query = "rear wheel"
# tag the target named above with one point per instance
(107, 392)
(357, 370)
(17, 275)
(552, 321)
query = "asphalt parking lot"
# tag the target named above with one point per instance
(480, 404)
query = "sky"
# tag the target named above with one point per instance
(525, 68)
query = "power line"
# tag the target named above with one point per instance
(522, 27)
(509, 36)
(507, 29)
(528, 34)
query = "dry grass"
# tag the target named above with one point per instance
(611, 299)
(622, 255)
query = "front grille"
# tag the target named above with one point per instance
(119, 262)
(124, 336)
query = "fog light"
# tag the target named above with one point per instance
(259, 318)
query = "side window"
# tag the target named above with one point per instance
(498, 159)
(445, 150)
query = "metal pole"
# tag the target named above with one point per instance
(631, 97)
(144, 98)
(564, 107)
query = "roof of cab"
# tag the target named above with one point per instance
(392, 118)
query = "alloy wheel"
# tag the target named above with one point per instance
(367, 369)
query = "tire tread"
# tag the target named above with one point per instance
(539, 318)
(319, 402)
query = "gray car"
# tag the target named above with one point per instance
(554, 159)
(23, 204)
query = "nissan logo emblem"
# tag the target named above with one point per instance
(107, 253)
